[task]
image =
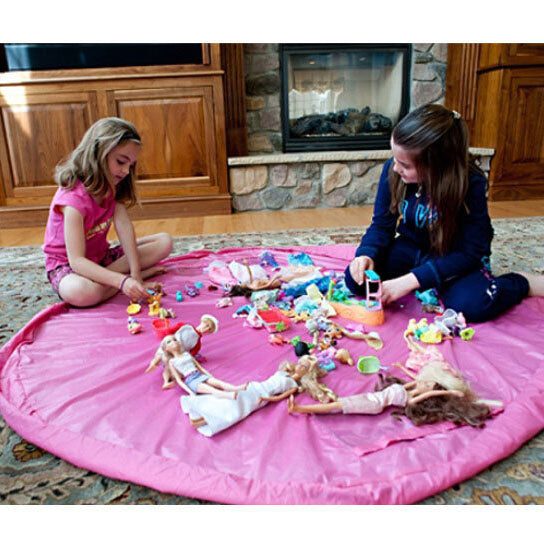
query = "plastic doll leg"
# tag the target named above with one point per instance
(227, 386)
(209, 389)
(198, 422)
(168, 381)
(481, 297)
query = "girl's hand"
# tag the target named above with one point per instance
(134, 290)
(358, 266)
(397, 288)
(153, 285)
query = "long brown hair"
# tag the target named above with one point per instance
(459, 410)
(88, 161)
(437, 140)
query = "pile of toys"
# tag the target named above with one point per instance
(277, 297)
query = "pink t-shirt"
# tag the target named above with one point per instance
(96, 222)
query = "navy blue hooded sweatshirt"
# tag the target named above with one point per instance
(471, 243)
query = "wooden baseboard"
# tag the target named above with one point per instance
(160, 208)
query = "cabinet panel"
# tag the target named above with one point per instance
(40, 130)
(523, 155)
(179, 154)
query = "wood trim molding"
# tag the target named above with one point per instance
(232, 62)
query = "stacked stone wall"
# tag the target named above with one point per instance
(270, 180)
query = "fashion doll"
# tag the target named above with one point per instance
(190, 338)
(210, 414)
(437, 392)
(188, 373)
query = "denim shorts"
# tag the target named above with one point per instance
(56, 275)
(194, 379)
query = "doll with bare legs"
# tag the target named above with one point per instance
(437, 392)
(210, 415)
(190, 376)
(190, 337)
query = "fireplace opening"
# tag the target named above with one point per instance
(342, 96)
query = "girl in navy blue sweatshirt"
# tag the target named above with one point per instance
(431, 227)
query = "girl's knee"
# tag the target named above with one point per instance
(164, 243)
(80, 292)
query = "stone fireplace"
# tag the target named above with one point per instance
(271, 177)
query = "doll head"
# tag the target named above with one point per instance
(208, 324)
(170, 347)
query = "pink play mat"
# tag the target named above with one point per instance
(73, 382)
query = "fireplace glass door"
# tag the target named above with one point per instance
(342, 96)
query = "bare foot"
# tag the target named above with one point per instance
(242, 387)
(168, 385)
(153, 271)
(536, 284)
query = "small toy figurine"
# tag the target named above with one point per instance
(190, 376)
(223, 302)
(134, 308)
(277, 339)
(267, 259)
(191, 290)
(179, 296)
(133, 326)
(154, 308)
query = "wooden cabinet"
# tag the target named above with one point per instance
(179, 111)
(499, 89)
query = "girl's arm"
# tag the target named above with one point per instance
(127, 238)
(74, 238)
(428, 394)
(397, 288)
(382, 229)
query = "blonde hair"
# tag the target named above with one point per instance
(88, 161)
(166, 355)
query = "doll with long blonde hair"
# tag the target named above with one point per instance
(190, 375)
(96, 185)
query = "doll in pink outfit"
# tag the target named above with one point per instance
(96, 185)
(436, 392)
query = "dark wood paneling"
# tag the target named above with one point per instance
(232, 63)
(505, 91)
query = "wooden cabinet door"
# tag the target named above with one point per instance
(181, 155)
(519, 170)
(37, 131)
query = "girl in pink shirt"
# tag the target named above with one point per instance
(97, 184)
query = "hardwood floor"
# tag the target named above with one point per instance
(266, 221)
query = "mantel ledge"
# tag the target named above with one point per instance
(330, 156)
